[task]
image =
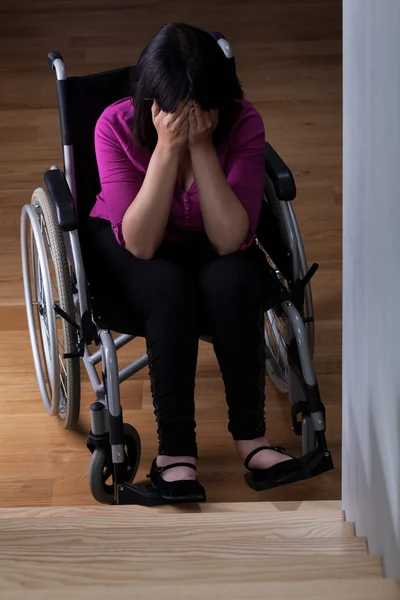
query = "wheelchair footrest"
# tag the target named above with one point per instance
(312, 464)
(144, 494)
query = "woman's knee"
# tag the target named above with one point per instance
(229, 278)
(167, 285)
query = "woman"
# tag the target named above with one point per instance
(181, 167)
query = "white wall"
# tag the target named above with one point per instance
(371, 256)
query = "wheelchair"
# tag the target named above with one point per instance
(63, 326)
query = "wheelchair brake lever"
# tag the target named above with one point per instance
(57, 309)
(79, 352)
(80, 347)
(300, 285)
(310, 274)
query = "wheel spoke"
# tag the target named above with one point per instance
(276, 346)
(63, 366)
(62, 405)
(63, 387)
(46, 330)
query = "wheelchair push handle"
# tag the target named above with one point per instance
(223, 44)
(51, 57)
(56, 62)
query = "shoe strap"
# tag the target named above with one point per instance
(257, 450)
(178, 464)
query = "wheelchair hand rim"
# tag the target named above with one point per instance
(50, 401)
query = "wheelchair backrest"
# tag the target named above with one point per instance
(81, 101)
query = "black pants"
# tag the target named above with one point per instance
(176, 296)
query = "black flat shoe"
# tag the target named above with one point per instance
(282, 473)
(185, 490)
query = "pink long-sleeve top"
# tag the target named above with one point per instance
(123, 164)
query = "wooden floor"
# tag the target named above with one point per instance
(229, 551)
(289, 60)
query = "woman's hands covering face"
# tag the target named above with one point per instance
(172, 128)
(202, 124)
(188, 125)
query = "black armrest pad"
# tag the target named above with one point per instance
(62, 199)
(281, 175)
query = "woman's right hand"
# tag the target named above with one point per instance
(172, 128)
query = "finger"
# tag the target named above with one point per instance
(183, 115)
(155, 109)
(185, 126)
(182, 106)
(199, 115)
(171, 118)
(192, 117)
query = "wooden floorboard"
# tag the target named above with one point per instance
(288, 55)
(329, 589)
(47, 569)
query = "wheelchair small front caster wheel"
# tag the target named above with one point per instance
(101, 469)
(308, 438)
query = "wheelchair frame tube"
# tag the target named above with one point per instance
(312, 391)
(127, 371)
(59, 67)
(69, 168)
(69, 172)
(300, 333)
(111, 376)
(79, 270)
(98, 388)
(133, 368)
(290, 235)
(68, 150)
(308, 308)
(119, 342)
(91, 360)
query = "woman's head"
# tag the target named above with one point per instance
(182, 62)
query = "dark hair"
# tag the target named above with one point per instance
(182, 62)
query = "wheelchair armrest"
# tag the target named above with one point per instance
(62, 199)
(280, 174)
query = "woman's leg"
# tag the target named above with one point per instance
(161, 294)
(232, 296)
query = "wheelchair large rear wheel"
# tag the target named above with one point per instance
(276, 337)
(47, 282)
(277, 353)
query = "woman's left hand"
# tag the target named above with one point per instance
(201, 125)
